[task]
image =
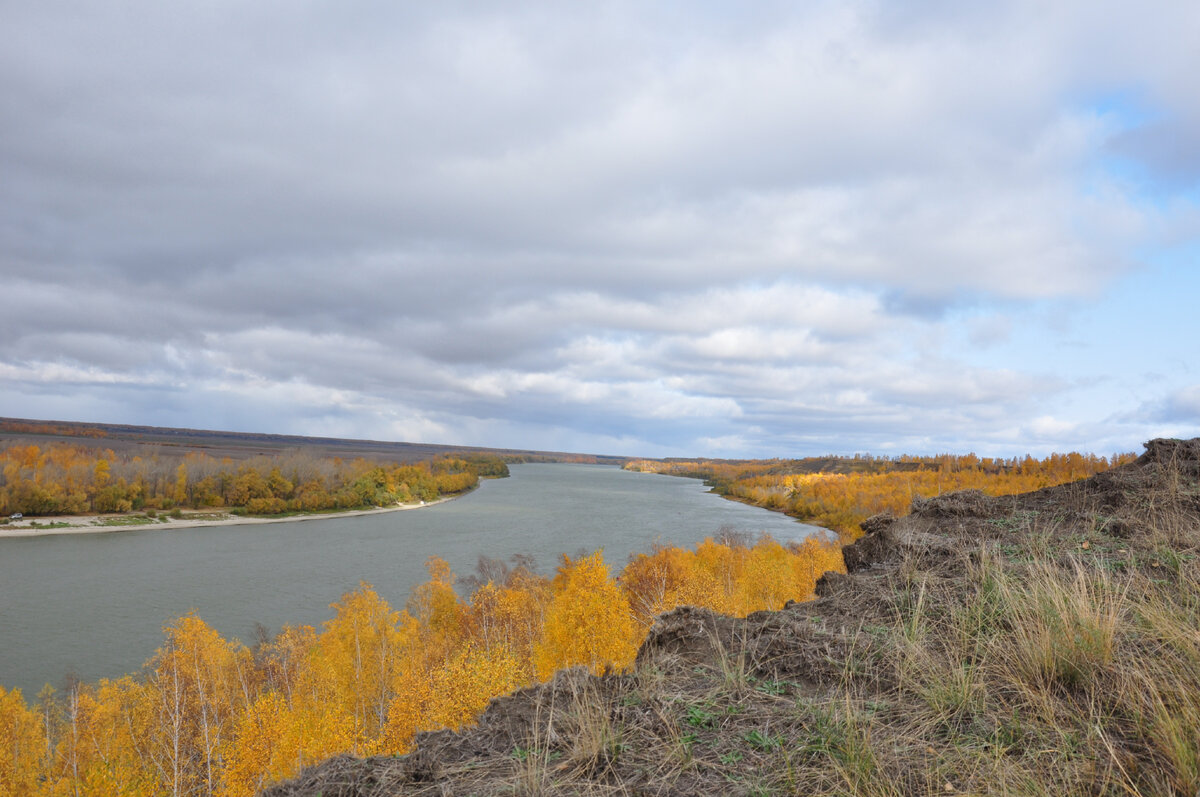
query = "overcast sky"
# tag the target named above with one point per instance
(721, 229)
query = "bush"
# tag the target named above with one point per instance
(266, 506)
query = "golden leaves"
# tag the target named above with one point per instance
(67, 478)
(213, 717)
(588, 621)
(22, 740)
(840, 493)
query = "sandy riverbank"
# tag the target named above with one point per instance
(103, 524)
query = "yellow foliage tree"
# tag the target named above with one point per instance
(355, 664)
(22, 745)
(450, 695)
(198, 684)
(588, 621)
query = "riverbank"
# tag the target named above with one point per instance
(104, 524)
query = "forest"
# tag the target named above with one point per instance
(839, 493)
(209, 715)
(66, 479)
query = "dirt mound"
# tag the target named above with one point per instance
(1181, 455)
(784, 645)
(788, 701)
(964, 503)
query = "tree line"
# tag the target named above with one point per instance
(211, 716)
(51, 428)
(839, 493)
(64, 479)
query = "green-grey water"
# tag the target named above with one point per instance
(94, 605)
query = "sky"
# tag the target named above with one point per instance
(646, 229)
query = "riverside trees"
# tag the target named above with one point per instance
(211, 716)
(839, 493)
(76, 479)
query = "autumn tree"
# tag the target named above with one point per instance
(22, 745)
(356, 659)
(588, 621)
(199, 682)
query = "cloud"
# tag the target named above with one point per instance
(1183, 406)
(671, 229)
(1166, 149)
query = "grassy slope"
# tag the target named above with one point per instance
(1036, 644)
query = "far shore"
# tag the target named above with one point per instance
(87, 524)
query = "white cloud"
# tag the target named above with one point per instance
(51, 373)
(1184, 406)
(1047, 426)
(756, 231)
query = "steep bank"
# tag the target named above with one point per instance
(1043, 644)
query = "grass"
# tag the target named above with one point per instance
(1057, 651)
(207, 516)
(596, 740)
(1032, 674)
(129, 520)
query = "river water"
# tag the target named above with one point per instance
(93, 605)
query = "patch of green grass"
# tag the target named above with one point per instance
(700, 717)
(761, 741)
(773, 687)
(686, 742)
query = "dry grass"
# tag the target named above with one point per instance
(1060, 655)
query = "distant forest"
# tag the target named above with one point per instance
(68, 479)
(839, 493)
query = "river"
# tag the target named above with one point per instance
(93, 605)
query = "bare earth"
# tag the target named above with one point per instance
(103, 524)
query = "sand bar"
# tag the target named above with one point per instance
(103, 524)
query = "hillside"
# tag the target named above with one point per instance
(1036, 644)
(244, 445)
